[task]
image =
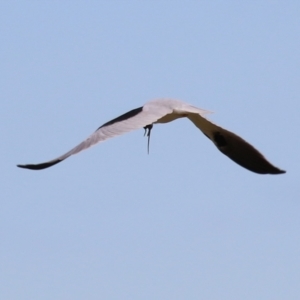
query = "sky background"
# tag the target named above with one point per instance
(184, 222)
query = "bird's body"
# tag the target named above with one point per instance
(168, 110)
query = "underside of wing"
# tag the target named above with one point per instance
(134, 119)
(235, 147)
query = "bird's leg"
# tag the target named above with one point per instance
(149, 127)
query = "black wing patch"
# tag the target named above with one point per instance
(123, 117)
(40, 166)
(220, 140)
(243, 153)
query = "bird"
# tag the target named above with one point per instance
(161, 111)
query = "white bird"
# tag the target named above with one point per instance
(164, 111)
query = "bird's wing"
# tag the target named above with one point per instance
(234, 147)
(134, 119)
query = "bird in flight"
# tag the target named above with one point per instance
(164, 111)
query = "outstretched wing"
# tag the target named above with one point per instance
(134, 119)
(234, 147)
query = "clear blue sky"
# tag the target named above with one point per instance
(184, 222)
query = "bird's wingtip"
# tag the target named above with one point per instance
(39, 166)
(22, 166)
(279, 172)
